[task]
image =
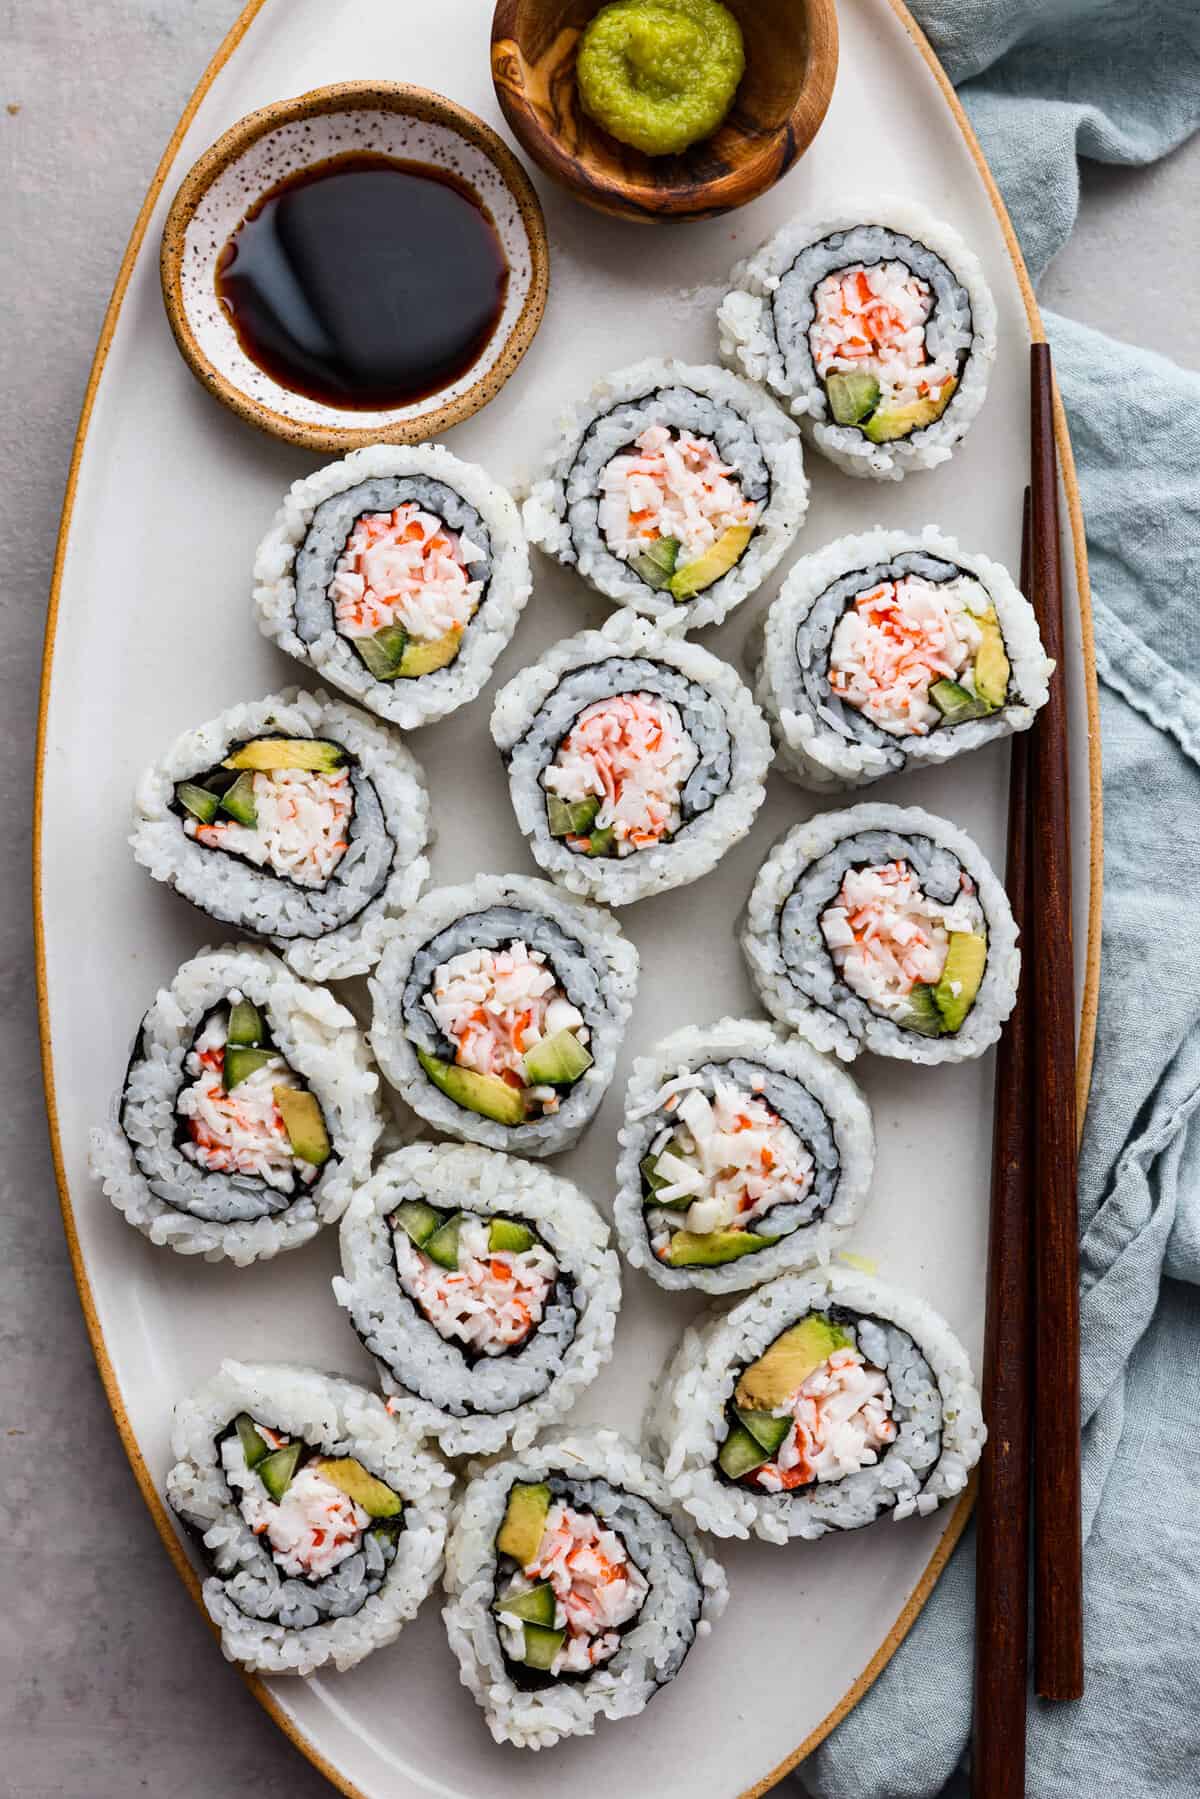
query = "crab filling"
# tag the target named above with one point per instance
(837, 1422)
(669, 504)
(911, 958)
(616, 784)
(405, 569)
(302, 824)
(311, 1512)
(472, 1291)
(911, 654)
(231, 1117)
(872, 322)
(595, 1585)
(508, 1018)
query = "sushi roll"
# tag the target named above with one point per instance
(498, 1011)
(896, 650)
(635, 759)
(743, 1152)
(875, 326)
(574, 1590)
(883, 928)
(485, 1289)
(820, 1402)
(321, 1521)
(296, 818)
(672, 489)
(249, 1111)
(398, 574)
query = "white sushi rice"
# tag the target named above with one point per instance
(562, 511)
(688, 1589)
(823, 743)
(337, 1418)
(388, 833)
(474, 1408)
(840, 1137)
(687, 1422)
(157, 1188)
(630, 654)
(593, 961)
(789, 960)
(764, 323)
(504, 572)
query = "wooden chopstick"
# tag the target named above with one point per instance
(1002, 1512)
(1058, 1549)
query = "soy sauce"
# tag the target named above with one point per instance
(364, 281)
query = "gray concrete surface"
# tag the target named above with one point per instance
(97, 1698)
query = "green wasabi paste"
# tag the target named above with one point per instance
(660, 74)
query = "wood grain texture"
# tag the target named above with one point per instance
(1002, 1518)
(791, 62)
(1058, 1550)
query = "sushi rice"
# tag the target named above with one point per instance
(879, 718)
(656, 736)
(908, 1444)
(668, 453)
(925, 318)
(287, 1594)
(476, 1378)
(210, 1172)
(474, 979)
(320, 881)
(850, 926)
(667, 1599)
(449, 563)
(767, 1143)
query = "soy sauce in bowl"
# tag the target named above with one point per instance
(365, 282)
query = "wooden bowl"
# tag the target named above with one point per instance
(408, 123)
(791, 62)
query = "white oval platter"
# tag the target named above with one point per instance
(150, 631)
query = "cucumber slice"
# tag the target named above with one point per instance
(541, 1647)
(955, 704)
(442, 1247)
(765, 1428)
(740, 1453)
(536, 1606)
(656, 563)
(418, 1220)
(570, 818)
(198, 801)
(852, 398)
(384, 652)
(505, 1234)
(556, 1061)
(238, 801)
(921, 1013)
(600, 842)
(245, 1024)
(277, 1470)
(655, 1182)
(255, 1447)
(241, 1063)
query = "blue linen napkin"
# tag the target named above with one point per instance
(1045, 81)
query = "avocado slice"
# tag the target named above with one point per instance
(740, 1453)
(556, 1061)
(383, 652)
(537, 1606)
(955, 704)
(782, 1370)
(198, 801)
(348, 1475)
(238, 801)
(277, 1470)
(268, 753)
(920, 1013)
(442, 1247)
(520, 1534)
(486, 1094)
(241, 1063)
(245, 1024)
(686, 1250)
(541, 1647)
(656, 563)
(505, 1234)
(765, 1428)
(695, 576)
(965, 961)
(255, 1447)
(426, 658)
(305, 1127)
(570, 818)
(418, 1220)
(992, 668)
(852, 397)
(890, 422)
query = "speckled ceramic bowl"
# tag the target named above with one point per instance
(264, 148)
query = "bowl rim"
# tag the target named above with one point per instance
(702, 198)
(347, 96)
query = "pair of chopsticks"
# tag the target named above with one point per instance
(1031, 1347)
